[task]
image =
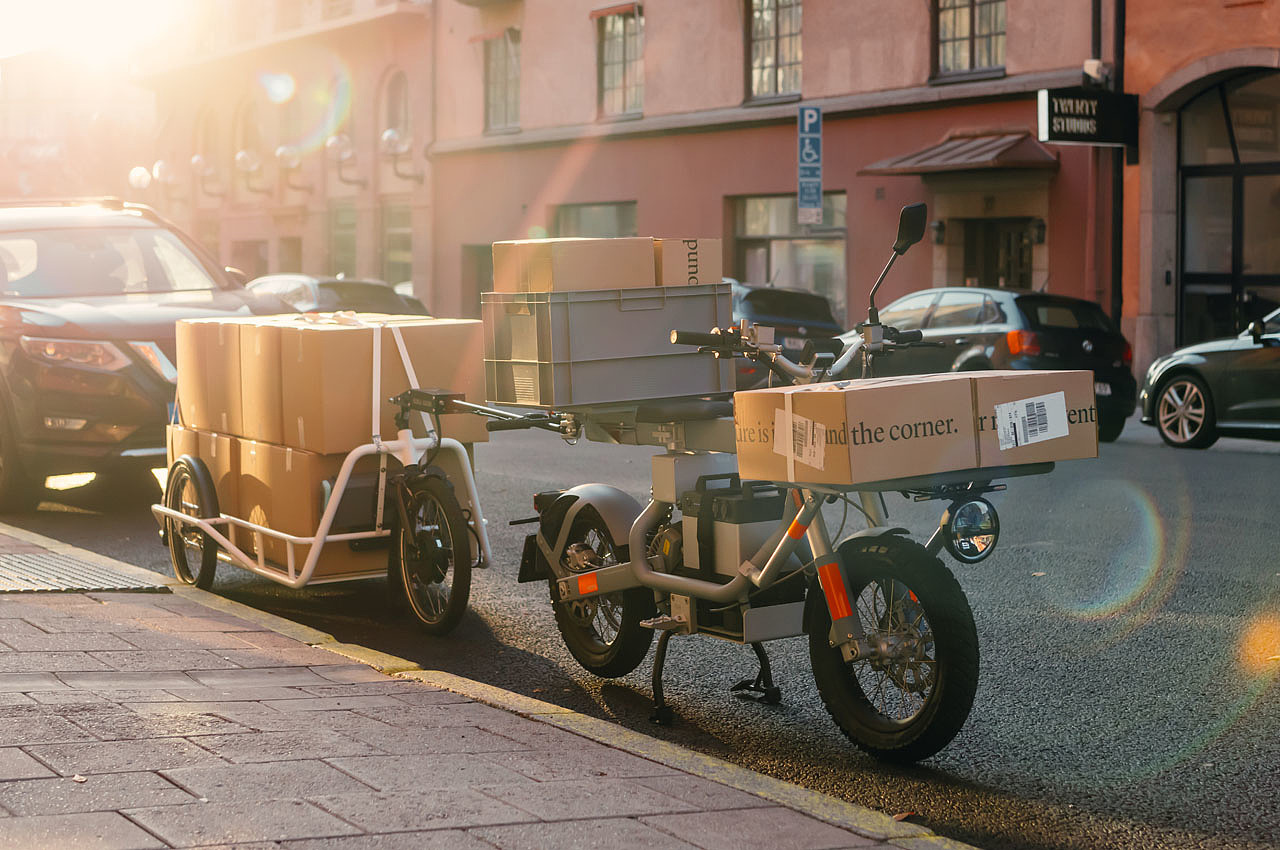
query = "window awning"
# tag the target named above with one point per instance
(1016, 150)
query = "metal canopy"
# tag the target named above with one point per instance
(1016, 150)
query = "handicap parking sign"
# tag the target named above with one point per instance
(809, 165)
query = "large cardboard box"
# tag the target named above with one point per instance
(208, 352)
(560, 265)
(853, 432)
(688, 261)
(283, 489)
(220, 454)
(326, 378)
(261, 409)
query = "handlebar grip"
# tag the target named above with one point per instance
(696, 338)
(910, 336)
(509, 425)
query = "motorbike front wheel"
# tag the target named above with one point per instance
(603, 632)
(907, 697)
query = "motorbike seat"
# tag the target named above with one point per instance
(683, 410)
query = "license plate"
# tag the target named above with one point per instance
(792, 343)
(1099, 388)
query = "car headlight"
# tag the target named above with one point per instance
(75, 352)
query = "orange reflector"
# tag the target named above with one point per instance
(833, 588)
(912, 594)
(796, 531)
(587, 584)
(797, 498)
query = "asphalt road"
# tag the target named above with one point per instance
(1129, 624)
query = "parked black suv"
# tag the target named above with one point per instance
(1015, 329)
(89, 294)
(794, 314)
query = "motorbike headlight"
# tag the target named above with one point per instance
(75, 352)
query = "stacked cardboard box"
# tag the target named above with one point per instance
(272, 405)
(856, 432)
(577, 265)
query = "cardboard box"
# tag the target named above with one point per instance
(220, 454)
(261, 408)
(326, 374)
(853, 432)
(208, 353)
(283, 489)
(688, 262)
(559, 265)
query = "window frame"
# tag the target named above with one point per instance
(986, 72)
(636, 13)
(749, 41)
(501, 90)
(560, 213)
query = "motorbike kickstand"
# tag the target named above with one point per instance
(760, 689)
(662, 713)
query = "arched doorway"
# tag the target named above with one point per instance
(1228, 206)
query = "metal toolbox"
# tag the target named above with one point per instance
(567, 349)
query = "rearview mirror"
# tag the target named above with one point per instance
(911, 225)
(236, 275)
(1256, 330)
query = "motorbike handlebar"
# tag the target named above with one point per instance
(908, 336)
(697, 338)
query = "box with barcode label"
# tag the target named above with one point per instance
(854, 432)
(1033, 417)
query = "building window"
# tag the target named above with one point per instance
(970, 35)
(342, 240)
(502, 81)
(595, 220)
(773, 250)
(397, 244)
(336, 8)
(288, 15)
(396, 106)
(621, 62)
(775, 48)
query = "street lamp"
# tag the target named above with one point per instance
(289, 160)
(248, 164)
(395, 146)
(162, 174)
(139, 177)
(341, 152)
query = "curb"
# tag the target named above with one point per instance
(864, 821)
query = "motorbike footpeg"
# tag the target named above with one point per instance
(664, 623)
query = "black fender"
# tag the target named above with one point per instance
(616, 508)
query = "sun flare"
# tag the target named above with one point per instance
(87, 32)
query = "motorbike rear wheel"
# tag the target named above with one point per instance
(911, 695)
(602, 633)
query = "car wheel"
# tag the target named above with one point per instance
(1184, 413)
(1109, 428)
(19, 490)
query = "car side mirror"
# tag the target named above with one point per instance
(236, 275)
(1256, 330)
(911, 224)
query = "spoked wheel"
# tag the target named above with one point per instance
(1184, 414)
(193, 552)
(433, 555)
(603, 633)
(908, 696)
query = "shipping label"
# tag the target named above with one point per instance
(1031, 420)
(800, 438)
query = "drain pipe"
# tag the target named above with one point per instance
(1117, 175)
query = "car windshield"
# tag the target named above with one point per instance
(1054, 314)
(1271, 324)
(84, 261)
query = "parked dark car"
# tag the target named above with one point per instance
(794, 314)
(1015, 329)
(310, 293)
(1224, 387)
(89, 294)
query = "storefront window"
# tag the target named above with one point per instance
(1253, 108)
(1207, 225)
(773, 250)
(342, 240)
(595, 220)
(397, 244)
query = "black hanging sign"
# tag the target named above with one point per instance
(1088, 116)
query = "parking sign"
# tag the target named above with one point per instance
(809, 165)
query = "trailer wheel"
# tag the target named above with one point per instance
(431, 558)
(193, 552)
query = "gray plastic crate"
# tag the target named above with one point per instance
(569, 349)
